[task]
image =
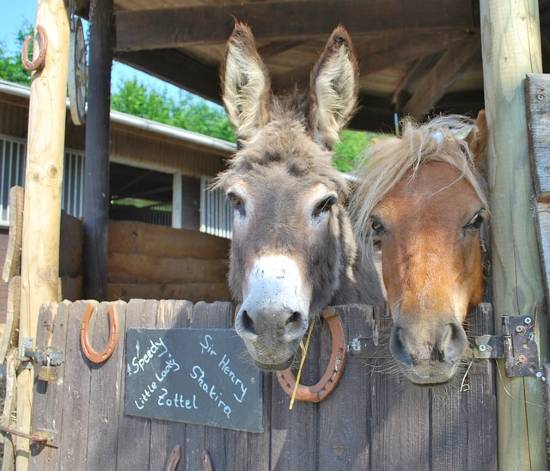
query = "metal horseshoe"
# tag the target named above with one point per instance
(40, 60)
(112, 341)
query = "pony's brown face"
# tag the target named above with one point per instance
(429, 230)
(286, 249)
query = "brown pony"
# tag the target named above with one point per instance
(422, 198)
(293, 250)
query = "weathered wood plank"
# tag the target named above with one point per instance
(106, 394)
(76, 394)
(192, 291)
(13, 308)
(195, 434)
(8, 412)
(463, 412)
(160, 241)
(12, 262)
(137, 268)
(299, 425)
(135, 430)
(184, 26)
(344, 415)
(537, 102)
(218, 315)
(445, 72)
(399, 425)
(166, 435)
(47, 412)
(543, 232)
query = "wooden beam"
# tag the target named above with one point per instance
(96, 159)
(184, 26)
(277, 47)
(177, 68)
(408, 47)
(432, 87)
(42, 202)
(511, 49)
(394, 48)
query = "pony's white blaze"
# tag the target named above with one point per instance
(276, 282)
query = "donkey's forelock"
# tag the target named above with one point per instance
(285, 142)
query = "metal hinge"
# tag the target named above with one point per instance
(48, 356)
(517, 346)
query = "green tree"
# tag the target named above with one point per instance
(11, 68)
(186, 112)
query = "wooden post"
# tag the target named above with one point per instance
(42, 205)
(511, 49)
(96, 160)
(177, 200)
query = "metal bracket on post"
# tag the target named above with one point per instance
(517, 346)
(46, 359)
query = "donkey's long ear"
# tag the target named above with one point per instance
(477, 141)
(334, 85)
(245, 83)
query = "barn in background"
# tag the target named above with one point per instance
(159, 174)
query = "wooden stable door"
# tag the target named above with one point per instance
(374, 420)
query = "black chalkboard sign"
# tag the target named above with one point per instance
(199, 376)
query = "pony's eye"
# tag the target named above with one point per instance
(476, 221)
(236, 201)
(376, 226)
(324, 205)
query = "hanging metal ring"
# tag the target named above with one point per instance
(335, 368)
(40, 60)
(112, 341)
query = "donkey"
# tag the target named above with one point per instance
(293, 250)
(423, 198)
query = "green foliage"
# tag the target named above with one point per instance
(189, 113)
(351, 147)
(11, 68)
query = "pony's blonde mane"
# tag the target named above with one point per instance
(440, 140)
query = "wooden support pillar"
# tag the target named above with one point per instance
(177, 200)
(42, 202)
(511, 49)
(96, 160)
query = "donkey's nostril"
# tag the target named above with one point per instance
(293, 319)
(247, 323)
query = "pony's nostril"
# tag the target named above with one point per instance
(293, 319)
(247, 323)
(452, 343)
(399, 350)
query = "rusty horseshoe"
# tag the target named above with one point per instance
(114, 334)
(334, 371)
(40, 60)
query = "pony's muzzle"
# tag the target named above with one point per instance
(429, 354)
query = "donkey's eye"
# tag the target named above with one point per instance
(324, 205)
(476, 221)
(236, 201)
(376, 226)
